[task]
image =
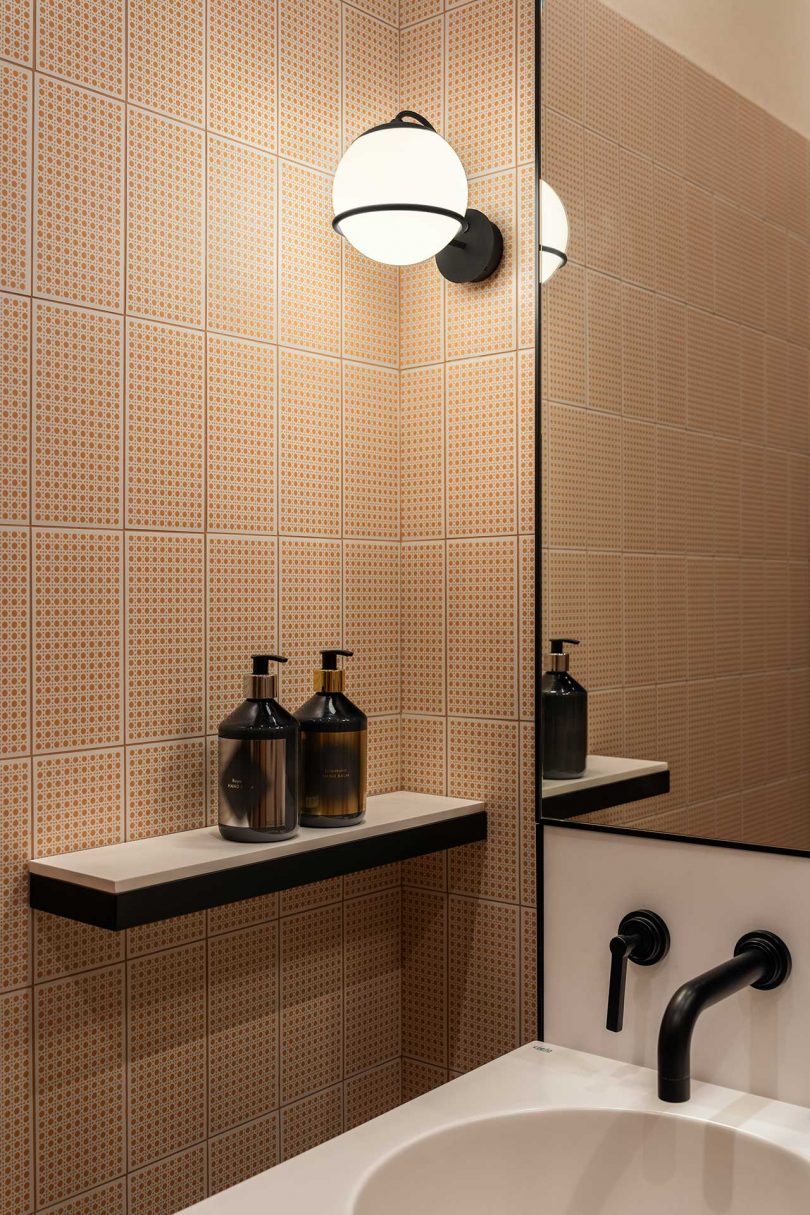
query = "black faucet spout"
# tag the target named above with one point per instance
(760, 960)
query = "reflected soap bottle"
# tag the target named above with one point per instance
(565, 717)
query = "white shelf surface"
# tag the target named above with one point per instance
(603, 770)
(138, 864)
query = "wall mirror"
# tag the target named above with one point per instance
(676, 408)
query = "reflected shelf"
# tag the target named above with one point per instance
(608, 781)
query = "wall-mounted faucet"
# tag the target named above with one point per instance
(761, 960)
(643, 938)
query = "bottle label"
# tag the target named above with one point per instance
(333, 768)
(252, 779)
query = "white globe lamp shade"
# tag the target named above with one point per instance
(553, 232)
(400, 192)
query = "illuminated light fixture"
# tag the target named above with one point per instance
(400, 197)
(553, 232)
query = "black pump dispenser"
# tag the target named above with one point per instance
(259, 762)
(333, 750)
(565, 716)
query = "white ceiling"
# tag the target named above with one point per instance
(761, 48)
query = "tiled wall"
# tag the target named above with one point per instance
(199, 385)
(468, 962)
(677, 425)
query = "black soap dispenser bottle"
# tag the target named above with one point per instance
(334, 733)
(565, 717)
(259, 763)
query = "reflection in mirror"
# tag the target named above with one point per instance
(676, 406)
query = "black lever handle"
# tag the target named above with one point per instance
(643, 938)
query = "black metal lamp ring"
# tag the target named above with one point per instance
(555, 253)
(423, 207)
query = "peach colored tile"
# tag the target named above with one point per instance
(699, 215)
(310, 598)
(423, 756)
(15, 833)
(483, 763)
(310, 442)
(165, 788)
(242, 987)
(311, 1121)
(481, 455)
(639, 485)
(166, 60)
(604, 619)
(638, 82)
(701, 96)
(311, 1001)
(421, 314)
(752, 513)
(77, 416)
(165, 219)
(380, 877)
(165, 427)
(241, 442)
(417, 10)
(422, 609)
(563, 75)
(527, 846)
(421, 50)
(314, 894)
(670, 362)
(727, 612)
(371, 591)
(230, 916)
(421, 453)
(165, 934)
(484, 1013)
(566, 581)
(241, 615)
(671, 507)
(480, 74)
(700, 491)
(798, 372)
(15, 202)
(564, 170)
(16, 30)
(639, 618)
(526, 256)
(242, 1153)
(14, 386)
(673, 740)
(309, 100)
(727, 266)
(637, 219)
(798, 290)
(726, 378)
(66, 947)
(77, 586)
(383, 764)
(87, 50)
(752, 384)
(528, 974)
(372, 1093)
(527, 624)
(526, 440)
(727, 498)
(565, 345)
(701, 361)
(603, 194)
(604, 339)
(242, 45)
(17, 1176)
(241, 285)
(79, 205)
(776, 280)
(15, 630)
(776, 503)
(165, 635)
(309, 262)
(371, 977)
(480, 317)
(78, 801)
(751, 231)
(751, 166)
(370, 309)
(166, 1052)
(80, 1082)
(603, 484)
(604, 94)
(424, 975)
(156, 1189)
(481, 646)
(669, 233)
(777, 412)
(370, 452)
(370, 69)
(106, 1200)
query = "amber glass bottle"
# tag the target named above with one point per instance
(333, 750)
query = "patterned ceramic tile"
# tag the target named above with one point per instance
(14, 387)
(370, 73)
(241, 615)
(164, 434)
(380, 877)
(311, 1121)
(78, 801)
(166, 63)
(527, 814)
(230, 916)
(15, 835)
(314, 894)
(242, 985)
(241, 240)
(311, 1001)
(165, 934)
(421, 454)
(526, 440)
(422, 611)
(424, 975)
(310, 442)
(79, 204)
(85, 51)
(80, 1083)
(483, 763)
(309, 101)
(309, 262)
(482, 626)
(242, 70)
(106, 1200)
(372, 1093)
(370, 309)
(77, 416)
(16, 1111)
(165, 219)
(370, 452)
(527, 624)
(242, 1153)
(15, 200)
(563, 75)
(16, 29)
(66, 947)
(481, 317)
(421, 314)
(481, 455)
(165, 636)
(157, 1189)
(418, 1078)
(484, 1013)
(420, 70)
(371, 980)
(371, 591)
(15, 632)
(77, 588)
(423, 757)
(165, 788)
(310, 595)
(480, 75)
(166, 1052)
(241, 435)
(383, 763)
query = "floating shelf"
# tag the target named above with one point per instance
(125, 885)
(608, 781)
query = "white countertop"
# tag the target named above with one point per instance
(167, 858)
(603, 770)
(327, 1179)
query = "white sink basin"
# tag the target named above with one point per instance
(549, 1131)
(588, 1162)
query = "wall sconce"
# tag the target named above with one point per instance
(553, 232)
(400, 197)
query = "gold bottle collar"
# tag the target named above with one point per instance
(260, 687)
(329, 681)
